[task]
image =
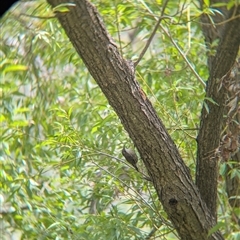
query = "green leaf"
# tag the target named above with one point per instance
(14, 68)
(207, 3)
(63, 8)
(211, 100)
(216, 228)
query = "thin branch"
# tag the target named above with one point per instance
(151, 234)
(184, 57)
(118, 28)
(149, 40)
(181, 53)
(146, 177)
(38, 17)
(182, 129)
(141, 198)
(153, 34)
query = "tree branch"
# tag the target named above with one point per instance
(212, 119)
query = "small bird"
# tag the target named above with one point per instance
(130, 156)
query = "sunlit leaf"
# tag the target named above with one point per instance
(14, 68)
(64, 7)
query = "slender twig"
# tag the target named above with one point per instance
(184, 57)
(181, 53)
(141, 198)
(118, 28)
(151, 233)
(153, 34)
(183, 129)
(38, 17)
(149, 40)
(125, 184)
(118, 159)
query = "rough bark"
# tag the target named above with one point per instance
(213, 120)
(230, 142)
(115, 76)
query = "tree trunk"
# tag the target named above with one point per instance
(230, 143)
(116, 78)
(218, 89)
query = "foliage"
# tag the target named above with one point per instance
(62, 173)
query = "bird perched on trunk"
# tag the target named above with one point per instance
(130, 156)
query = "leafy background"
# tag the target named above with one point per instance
(62, 175)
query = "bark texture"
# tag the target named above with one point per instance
(213, 121)
(116, 78)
